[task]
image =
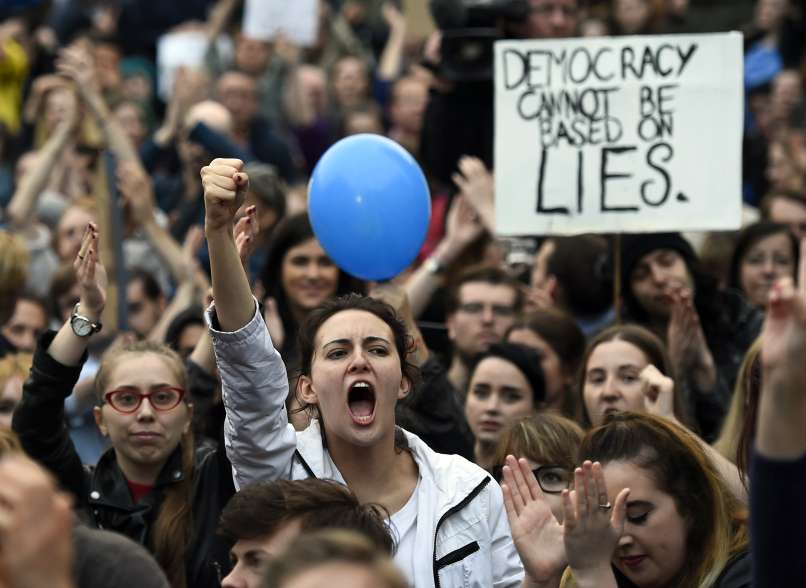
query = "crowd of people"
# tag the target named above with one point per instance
(192, 393)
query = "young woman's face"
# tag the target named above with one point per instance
(309, 277)
(356, 378)
(556, 379)
(146, 437)
(612, 382)
(763, 264)
(497, 396)
(652, 550)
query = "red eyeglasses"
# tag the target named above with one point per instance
(128, 400)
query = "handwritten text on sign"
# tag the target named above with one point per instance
(628, 134)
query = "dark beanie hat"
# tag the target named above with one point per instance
(634, 247)
(526, 359)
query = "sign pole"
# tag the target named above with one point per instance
(617, 277)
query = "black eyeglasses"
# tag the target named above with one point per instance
(552, 479)
(128, 400)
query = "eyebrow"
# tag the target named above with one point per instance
(645, 503)
(151, 387)
(369, 339)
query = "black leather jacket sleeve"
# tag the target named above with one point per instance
(39, 417)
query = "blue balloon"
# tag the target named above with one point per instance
(369, 206)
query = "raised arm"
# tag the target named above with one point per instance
(27, 193)
(778, 468)
(392, 56)
(39, 419)
(225, 186)
(259, 441)
(76, 63)
(462, 229)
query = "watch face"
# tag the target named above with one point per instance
(81, 326)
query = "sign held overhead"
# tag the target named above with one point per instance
(618, 135)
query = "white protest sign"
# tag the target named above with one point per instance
(618, 135)
(297, 20)
(178, 49)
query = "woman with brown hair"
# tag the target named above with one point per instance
(625, 368)
(648, 510)
(153, 485)
(558, 339)
(549, 443)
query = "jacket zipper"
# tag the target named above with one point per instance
(451, 511)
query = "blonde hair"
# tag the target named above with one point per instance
(733, 439)
(171, 531)
(9, 442)
(14, 258)
(673, 458)
(15, 365)
(544, 438)
(333, 546)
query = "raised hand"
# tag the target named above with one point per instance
(225, 186)
(91, 274)
(592, 525)
(477, 185)
(462, 224)
(782, 407)
(688, 348)
(137, 192)
(77, 64)
(245, 233)
(537, 535)
(658, 392)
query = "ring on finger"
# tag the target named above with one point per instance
(605, 507)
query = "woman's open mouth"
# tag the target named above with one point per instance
(361, 403)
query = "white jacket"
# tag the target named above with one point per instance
(462, 528)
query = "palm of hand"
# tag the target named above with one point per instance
(93, 288)
(539, 540)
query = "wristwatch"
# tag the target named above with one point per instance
(82, 326)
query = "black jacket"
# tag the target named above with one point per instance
(102, 493)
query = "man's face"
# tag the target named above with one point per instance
(238, 92)
(25, 325)
(552, 19)
(143, 313)
(250, 557)
(484, 314)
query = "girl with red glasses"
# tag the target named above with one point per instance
(152, 485)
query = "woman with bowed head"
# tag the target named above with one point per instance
(648, 510)
(298, 277)
(446, 513)
(506, 384)
(153, 485)
(765, 252)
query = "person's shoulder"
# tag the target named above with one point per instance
(737, 572)
(450, 472)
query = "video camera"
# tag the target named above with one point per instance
(469, 29)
